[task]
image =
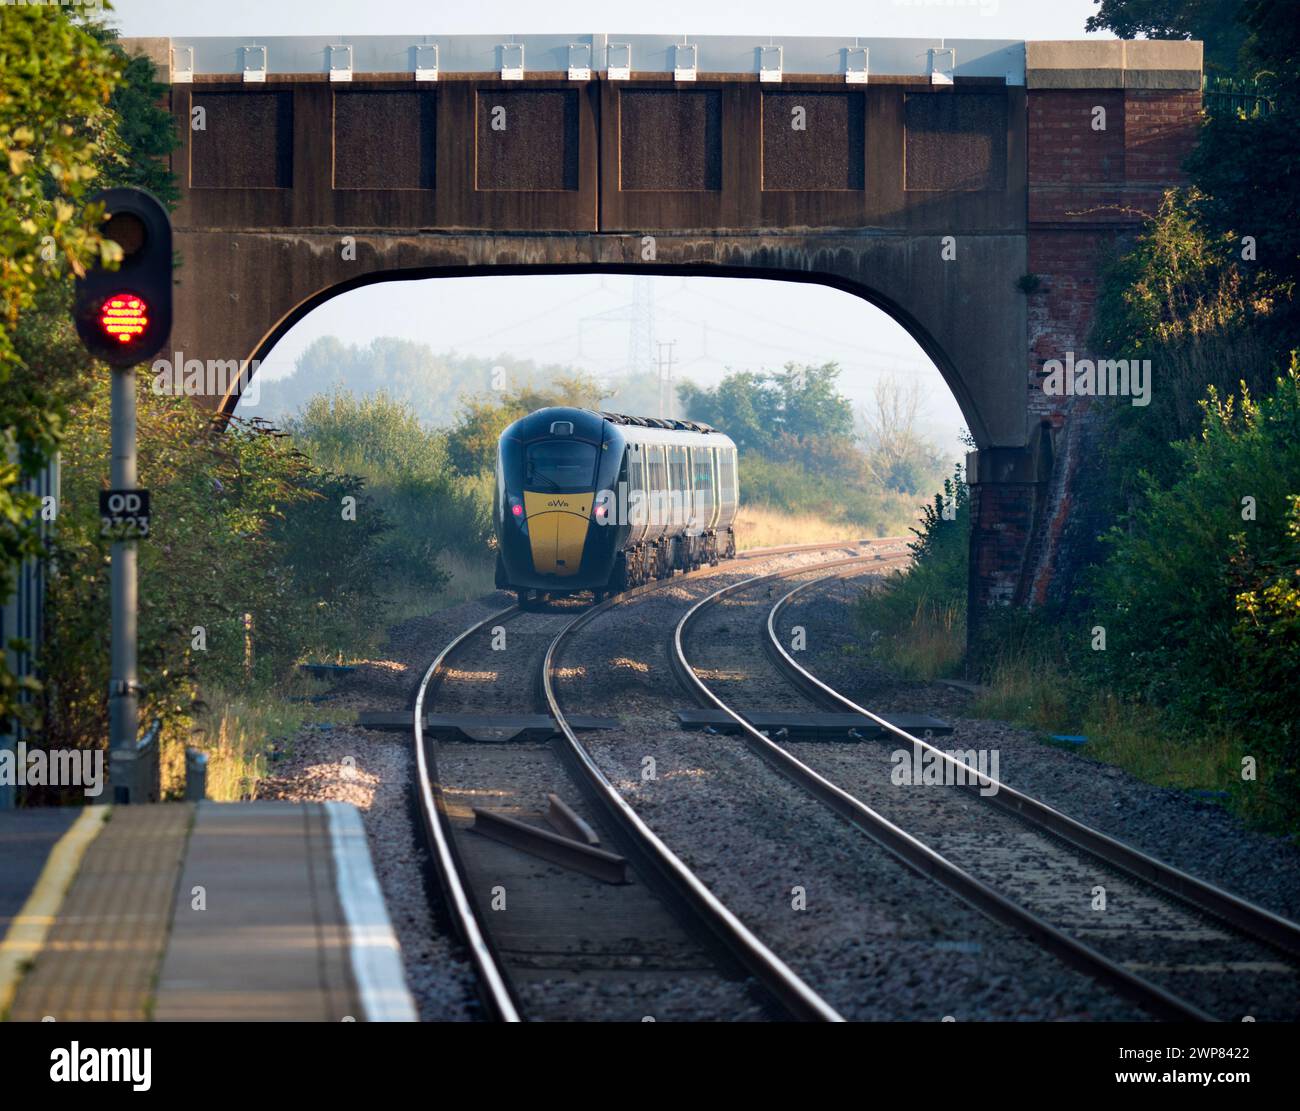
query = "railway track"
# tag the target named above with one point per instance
(562, 932)
(1179, 947)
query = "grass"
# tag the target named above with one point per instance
(1031, 691)
(1028, 692)
(470, 578)
(922, 639)
(931, 645)
(238, 731)
(1135, 737)
(760, 526)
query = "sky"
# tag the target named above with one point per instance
(985, 19)
(716, 324)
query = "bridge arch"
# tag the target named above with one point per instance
(913, 147)
(933, 349)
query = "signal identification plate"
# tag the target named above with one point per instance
(124, 514)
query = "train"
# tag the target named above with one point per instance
(602, 502)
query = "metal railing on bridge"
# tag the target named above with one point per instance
(1221, 95)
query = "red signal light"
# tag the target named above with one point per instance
(124, 317)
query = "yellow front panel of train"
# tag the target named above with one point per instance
(557, 530)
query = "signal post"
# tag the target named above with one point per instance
(123, 317)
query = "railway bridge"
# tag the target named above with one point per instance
(970, 188)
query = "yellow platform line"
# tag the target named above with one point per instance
(28, 930)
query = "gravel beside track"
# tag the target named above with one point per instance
(375, 770)
(878, 941)
(1186, 952)
(338, 761)
(1192, 833)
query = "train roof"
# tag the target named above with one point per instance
(636, 430)
(666, 423)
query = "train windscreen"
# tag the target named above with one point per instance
(560, 465)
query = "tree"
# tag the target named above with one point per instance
(810, 404)
(744, 405)
(759, 408)
(898, 456)
(56, 127)
(1214, 22)
(143, 132)
(1247, 168)
(472, 443)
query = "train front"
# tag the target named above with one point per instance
(552, 535)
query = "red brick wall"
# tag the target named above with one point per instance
(1087, 191)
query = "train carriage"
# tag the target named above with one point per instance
(602, 502)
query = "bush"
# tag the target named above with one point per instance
(242, 524)
(919, 615)
(792, 487)
(1198, 593)
(405, 470)
(797, 448)
(1179, 298)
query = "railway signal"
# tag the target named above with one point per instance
(124, 317)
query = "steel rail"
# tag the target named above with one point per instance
(786, 987)
(1255, 921)
(908, 848)
(794, 549)
(494, 985)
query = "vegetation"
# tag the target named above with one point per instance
(1213, 22)
(472, 442)
(52, 71)
(800, 453)
(1212, 560)
(234, 586)
(916, 619)
(408, 479)
(1180, 654)
(432, 384)
(760, 527)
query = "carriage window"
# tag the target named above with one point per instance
(703, 469)
(561, 465)
(727, 474)
(656, 460)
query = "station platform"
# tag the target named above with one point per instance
(243, 912)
